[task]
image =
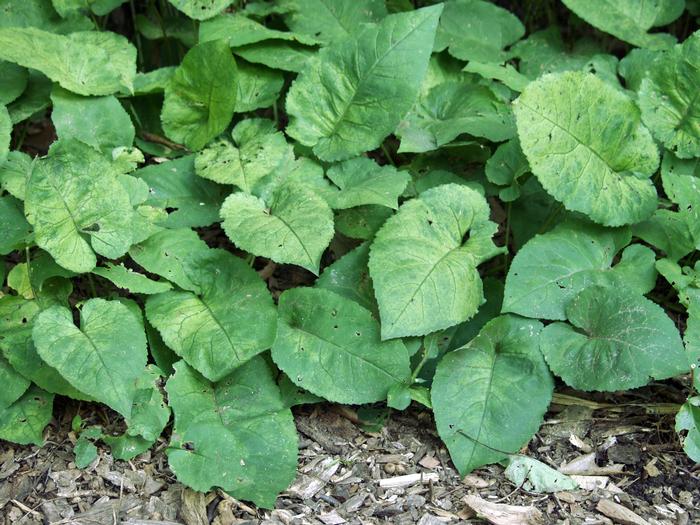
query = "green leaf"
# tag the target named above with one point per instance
(688, 419)
(362, 181)
(255, 157)
(192, 201)
(681, 179)
(229, 320)
(86, 62)
(5, 133)
(85, 452)
(349, 277)
(554, 267)
(24, 421)
(41, 14)
(331, 346)
(100, 122)
(451, 109)
(353, 96)
(258, 87)
(479, 392)
(78, 207)
(125, 447)
(423, 261)
(535, 476)
(149, 412)
(670, 232)
(13, 80)
(201, 96)
(331, 20)
(166, 253)
(103, 358)
(278, 54)
(128, 279)
(295, 227)
(238, 30)
(14, 172)
(201, 9)
(477, 30)
(619, 340)
(628, 20)
(669, 99)
(34, 99)
(362, 222)
(237, 424)
(507, 74)
(17, 232)
(14, 384)
(585, 143)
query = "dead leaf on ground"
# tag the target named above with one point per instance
(501, 514)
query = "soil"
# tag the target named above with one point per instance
(629, 449)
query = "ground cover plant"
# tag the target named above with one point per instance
(247, 206)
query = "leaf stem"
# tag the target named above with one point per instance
(137, 35)
(387, 155)
(506, 254)
(91, 282)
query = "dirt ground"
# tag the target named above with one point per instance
(625, 457)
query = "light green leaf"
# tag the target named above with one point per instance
(255, 156)
(295, 227)
(103, 358)
(86, 62)
(681, 182)
(619, 340)
(477, 30)
(585, 143)
(201, 96)
(24, 421)
(535, 476)
(670, 101)
(258, 87)
(362, 222)
(628, 20)
(238, 30)
(331, 346)
(353, 96)
(16, 230)
(13, 384)
(34, 99)
(13, 80)
(635, 66)
(149, 412)
(85, 452)
(554, 267)
(76, 205)
(423, 261)
(166, 253)
(668, 231)
(237, 424)
(507, 74)
(14, 172)
(5, 133)
(451, 109)
(349, 277)
(480, 392)
(330, 20)
(229, 320)
(362, 181)
(154, 81)
(278, 54)
(100, 122)
(193, 202)
(130, 280)
(688, 419)
(40, 14)
(73, 7)
(125, 447)
(201, 9)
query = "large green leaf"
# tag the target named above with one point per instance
(554, 267)
(585, 143)
(16, 230)
(628, 20)
(451, 109)
(490, 396)
(294, 227)
(87, 63)
(349, 277)
(13, 384)
(229, 320)
(192, 201)
(201, 9)
(477, 30)
(258, 86)
(24, 421)
(353, 96)
(201, 96)
(103, 358)
(362, 181)
(423, 261)
(330, 20)
(76, 205)
(166, 254)
(100, 122)
(331, 346)
(236, 434)
(619, 340)
(13, 80)
(669, 98)
(688, 419)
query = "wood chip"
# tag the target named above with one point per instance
(580, 443)
(590, 483)
(408, 480)
(501, 514)
(332, 518)
(620, 514)
(472, 480)
(586, 466)
(429, 462)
